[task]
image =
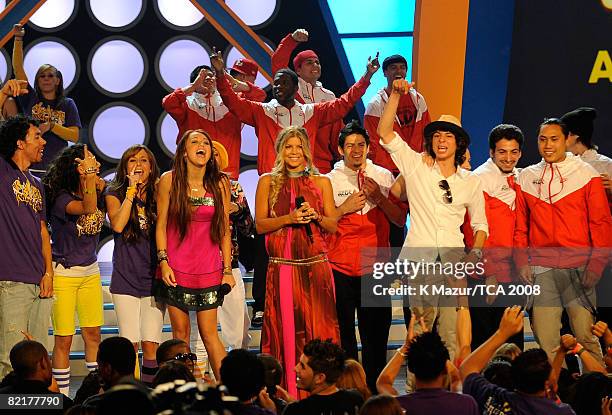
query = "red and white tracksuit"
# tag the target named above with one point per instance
(325, 150)
(368, 228)
(500, 207)
(411, 118)
(271, 117)
(207, 112)
(562, 205)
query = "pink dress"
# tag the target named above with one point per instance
(196, 262)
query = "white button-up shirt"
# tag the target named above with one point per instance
(435, 224)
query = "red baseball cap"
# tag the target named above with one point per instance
(246, 67)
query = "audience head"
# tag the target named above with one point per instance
(552, 140)
(353, 377)
(49, 81)
(580, 126)
(20, 135)
(242, 373)
(273, 372)
(427, 357)
(307, 65)
(354, 144)
(499, 372)
(394, 67)
(285, 86)
(381, 405)
(127, 398)
(505, 144)
(116, 359)
(171, 371)
(446, 139)
(175, 350)
(30, 361)
(586, 394)
(320, 365)
(244, 70)
(508, 351)
(530, 371)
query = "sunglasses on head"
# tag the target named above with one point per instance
(448, 196)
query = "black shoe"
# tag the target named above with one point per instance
(257, 321)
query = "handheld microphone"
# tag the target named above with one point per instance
(224, 290)
(298, 203)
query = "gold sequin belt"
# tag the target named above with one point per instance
(299, 262)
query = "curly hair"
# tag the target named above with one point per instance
(12, 130)
(427, 356)
(62, 174)
(179, 211)
(120, 183)
(278, 175)
(325, 357)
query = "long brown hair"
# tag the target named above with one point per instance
(279, 171)
(353, 377)
(179, 212)
(120, 183)
(59, 89)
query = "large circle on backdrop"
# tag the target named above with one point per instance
(54, 15)
(167, 132)
(179, 14)
(248, 180)
(232, 54)
(115, 127)
(256, 14)
(117, 66)
(54, 51)
(105, 249)
(5, 65)
(176, 59)
(116, 15)
(249, 145)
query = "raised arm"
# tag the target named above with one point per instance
(385, 125)
(280, 57)
(18, 53)
(511, 323)
(119, 212)
(87, 169)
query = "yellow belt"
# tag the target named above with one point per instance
(299, 262)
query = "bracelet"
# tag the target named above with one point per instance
(228, 273)
(162, 255)
(399, 351)
(577, 350)
(461, 307)
(131, 192)
(90, 170)
(88, 191)
(227, 268)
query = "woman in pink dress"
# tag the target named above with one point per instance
(193, 241)
(300, 298)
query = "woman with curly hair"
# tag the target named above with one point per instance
(47, 103)
(193, 241)
(75, 212)
(300, 304)
(130, 202)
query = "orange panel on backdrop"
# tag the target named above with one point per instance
(440, 33)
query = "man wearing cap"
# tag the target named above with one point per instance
(199, 105)
(308, 68)
(438, 197)
(244, 71)
(412, 114)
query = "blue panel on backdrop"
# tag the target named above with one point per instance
(364, 16)
(487, 63)
(357, 52)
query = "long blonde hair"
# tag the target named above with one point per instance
(353, 377)
(279, 171)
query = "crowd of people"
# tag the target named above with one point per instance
(331, 204)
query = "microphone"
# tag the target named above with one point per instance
(298, 203)
(224, 290)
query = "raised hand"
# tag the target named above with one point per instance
(373, 65)
(134, 178)
(599, 328)
(401, 86)
(19, 30)
(15, 87)
(511, 322)
(87, 165)
(216, 60)
(300, 35)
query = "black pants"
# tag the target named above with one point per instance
(373, 322)
(259, 273)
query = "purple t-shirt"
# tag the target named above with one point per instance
(74, 237)
(134, 263)
(22, 208)
(64, 113)
(494, 399)
(438, 401)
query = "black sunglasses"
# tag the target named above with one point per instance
(448, 196)
(185, 356)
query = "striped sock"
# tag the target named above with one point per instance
(91, 366)
(62, 377)
(149, 369)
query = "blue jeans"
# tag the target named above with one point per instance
(21, 309)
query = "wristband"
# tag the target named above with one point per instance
(577, 350)
(162, 255)
(131, 192)
(399, 351)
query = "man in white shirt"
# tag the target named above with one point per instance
(438, 197)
